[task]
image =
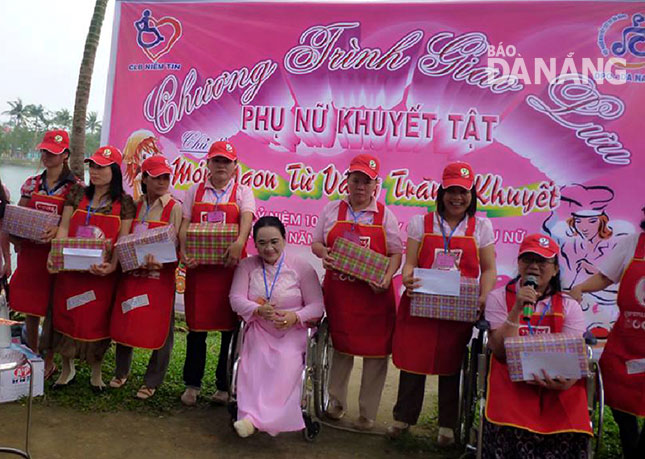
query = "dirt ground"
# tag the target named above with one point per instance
(194, 433)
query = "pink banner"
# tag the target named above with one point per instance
(544, 99)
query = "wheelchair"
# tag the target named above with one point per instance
(473, 389)
(315, 376)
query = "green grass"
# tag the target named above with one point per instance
(166, 400)
(79, 396)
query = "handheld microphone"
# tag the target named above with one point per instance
(527, 312)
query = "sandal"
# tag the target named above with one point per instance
(146, 392)
(117, 383)
(49, 373)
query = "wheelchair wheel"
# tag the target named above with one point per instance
(467, 391)
(311, 430)
(321, 369)
(596, 405)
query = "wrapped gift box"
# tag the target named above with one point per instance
(462, 308)
(358, 261)
(519, 348)
(206, 243)
(28, 223)
(164, 239)
(57, 256)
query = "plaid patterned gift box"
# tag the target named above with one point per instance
(358, 261)
(125, 246)
(207, 242)
(27, 223)
(462, 308)
(556, 342)
(56, 252)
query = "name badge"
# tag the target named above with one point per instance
(352, 237)
(216, 216)
(445, 260)
(89, 232)
(140, 228)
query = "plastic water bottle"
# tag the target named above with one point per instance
(5, 330)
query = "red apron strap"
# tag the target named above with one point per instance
(84, 203)
(428, 223)
(165, 214)
(342, 211)
(116, 208)
(470, 226)
(558, 312)
(232, 198)
(640, 247)
(380, 214)
(199, 194)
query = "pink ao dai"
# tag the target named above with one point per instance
(271, 362)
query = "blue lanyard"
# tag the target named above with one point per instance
(144, 217)
(268, 292)
(218, 197)
(546, 309)
(355, 215)
(44, 186)
(446, 241)
(89, 210)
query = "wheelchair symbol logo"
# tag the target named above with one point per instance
(156, 37)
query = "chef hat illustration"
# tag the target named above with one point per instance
(585, 201)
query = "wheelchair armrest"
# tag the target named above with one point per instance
(590, 339)
(482, 325)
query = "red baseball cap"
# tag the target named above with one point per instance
(155, 166)
(458, 174)
(222, 148)
(55, 142)
(105, 156)
(539, 244)
(367, 164)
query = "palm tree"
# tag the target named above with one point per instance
(18, 112)
(62, 119)
(37, 115)
(93, 123)
(83, 88)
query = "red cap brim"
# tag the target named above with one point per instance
(466, 184)
(365, 170)
(158, 171)
(100, 160)
(541, 251)
(53, 148)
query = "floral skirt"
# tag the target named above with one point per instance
(505, 442)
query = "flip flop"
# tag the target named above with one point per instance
(145, 392)
(117, 383)
(50, 373)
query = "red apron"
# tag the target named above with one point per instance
(626, 341)
(91, 320)
(32, 262)
(208, 286)
(147, 325)
(360, 321)
(529, 407)
(432, 346)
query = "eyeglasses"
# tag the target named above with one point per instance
(540, 261)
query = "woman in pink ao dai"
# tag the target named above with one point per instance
(276, 295)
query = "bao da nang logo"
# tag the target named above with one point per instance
(623, 36)
(156, 37)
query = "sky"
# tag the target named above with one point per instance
(41, 47)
